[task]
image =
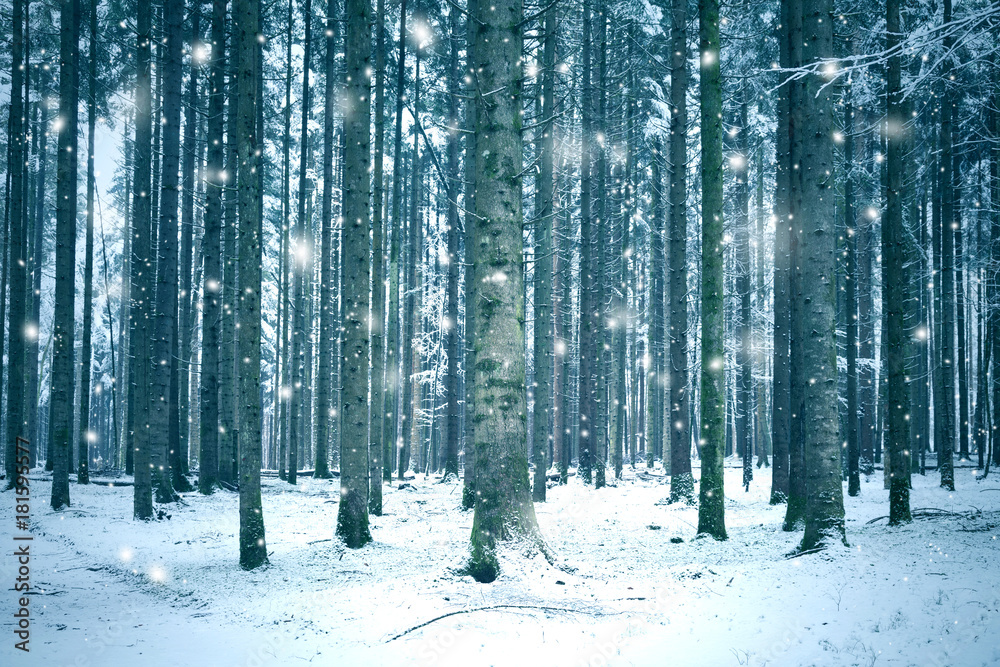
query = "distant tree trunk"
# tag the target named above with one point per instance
(744, 425)
(228, 377)
(327, 302)
(141, 267)
(469, 473)
(208, 459)
(681, 479)
(711, 502)
(16, 263)
(379, 446)
(850, 223)
(253, 548)
(602, 257)
(824, 515)
(946, 447)
(590, 316)
(165, 312)
(286, 252)
(504, 510)
(451, 431)
(894, 283)
(658, 233)
(352, 514)
(83, 458)
(994, 325)
(394, 408)
(61, 398)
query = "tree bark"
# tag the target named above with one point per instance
(352, 514)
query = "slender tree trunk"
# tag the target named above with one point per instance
(469, 473)
(377, 412)
(352, 514)
(208, 459)
(894, 283)
(744, 425)
(590, 316)
(83, 458)
(544, 220)
(16, 264)
(853, 420)
(658, 292)
(681, 479)
(141, 268)
(946, 447)
(327, 304)
(179, 461)
(61, 393)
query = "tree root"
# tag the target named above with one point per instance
(491, 607)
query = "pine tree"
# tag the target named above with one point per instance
(711, 500)
(503, 509)
(61, 402)
(352, 512)
(246, 17)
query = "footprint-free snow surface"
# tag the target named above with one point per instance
(631, 584)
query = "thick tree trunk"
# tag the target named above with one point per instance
(61, 397)
(711, 501)
(253, 548)
(503, 510)
(352, 514)
(824, 515)
(165, 311)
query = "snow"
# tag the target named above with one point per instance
(113, 591)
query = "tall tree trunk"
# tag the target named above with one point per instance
(327, 303)
(658, 234)
(544, 220)
(16, 263)
(379, 446)
(851, 268)
(824, 515)
(780, 397)
(208, 459)
(352, 514)
(141, 268)
(165, 311)
(679, 403)
(246, 17)
(61, 397)
(894, 285)
(744, 422)
(946, 446)
(590, 316)
(504, 510)
(469, 196)
(711, 501)
(453, 415)
(179, 460)
(83, 458)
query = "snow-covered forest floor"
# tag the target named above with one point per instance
(113, 591)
